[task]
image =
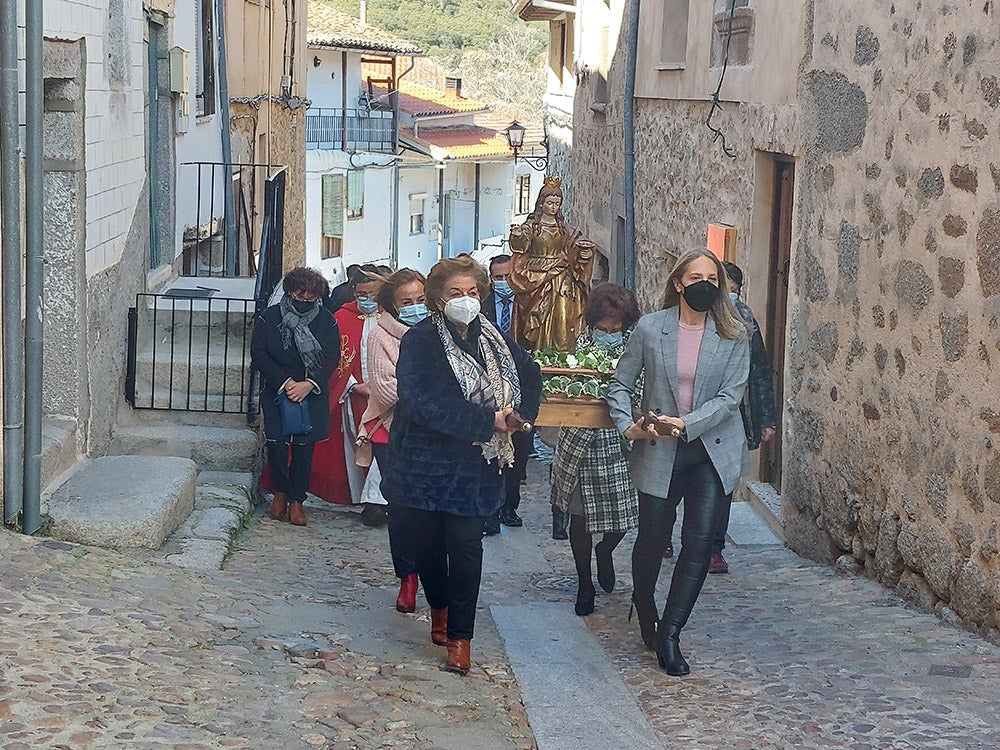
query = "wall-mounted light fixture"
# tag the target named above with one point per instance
(515, 139)
(317, 62)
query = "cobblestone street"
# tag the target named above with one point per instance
(296, 644)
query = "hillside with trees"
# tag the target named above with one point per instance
(500, 58)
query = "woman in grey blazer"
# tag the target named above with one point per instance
(688, 440)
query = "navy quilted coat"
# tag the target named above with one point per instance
(433, 462)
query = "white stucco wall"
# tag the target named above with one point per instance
(324, 83)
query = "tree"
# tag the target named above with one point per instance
(509, 73)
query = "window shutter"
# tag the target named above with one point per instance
(333, 205)
(355, 193)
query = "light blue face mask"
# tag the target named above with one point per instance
(367, 306)
(734, 296)
(413, 314)
(607, 340)
(502, 289)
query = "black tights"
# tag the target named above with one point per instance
(694, 480)
(582, 544)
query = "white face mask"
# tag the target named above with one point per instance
(462, 310)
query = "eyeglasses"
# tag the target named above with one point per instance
(304, 297)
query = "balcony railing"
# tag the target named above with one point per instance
(351, 130)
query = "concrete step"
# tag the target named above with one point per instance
(59, 451)
(123, 501)
(222, 507)
(767, 502)
(211, 448)
(156, 395)
(146, 417)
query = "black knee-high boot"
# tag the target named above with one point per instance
(582, 545)
(605, 562)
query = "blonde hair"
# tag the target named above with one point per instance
(728, 322)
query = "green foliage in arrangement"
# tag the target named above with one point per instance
(595, 365)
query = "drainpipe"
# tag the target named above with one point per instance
(10, 230)
(440, 168)
(227, 142)
(394, 240)
(33, 270)
(628, 118)
(475, 227)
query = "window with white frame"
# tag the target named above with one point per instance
(522, 194)
(333, 216)
(355, 194)
(418, 203)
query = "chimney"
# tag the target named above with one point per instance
(453, 85)
(364, 11)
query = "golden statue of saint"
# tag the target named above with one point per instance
(551, 269)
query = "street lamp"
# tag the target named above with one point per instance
(515, 139)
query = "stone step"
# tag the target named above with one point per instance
(142, 416)
(211, 448)
(156, 395)
(222, 506)
(767, 502)
(123, 501)
(59, 451)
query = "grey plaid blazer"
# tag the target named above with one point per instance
(721, 379)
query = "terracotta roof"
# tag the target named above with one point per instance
(417, 101)
(328, 27)
(459, 142)
(534, 133)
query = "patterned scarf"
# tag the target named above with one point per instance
(295, 327)
(497, 387)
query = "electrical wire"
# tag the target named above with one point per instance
(717, 134)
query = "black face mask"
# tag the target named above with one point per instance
(302, 307)
(701, 295)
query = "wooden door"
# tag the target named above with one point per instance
(777, 308)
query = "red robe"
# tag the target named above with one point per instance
(329, 480)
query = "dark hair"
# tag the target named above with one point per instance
(366, 273)
(352, 269)
(386, 296)
(304, 279)
(611, 300)
(734, 272)
(384, 271)
(501, 258)
(445, 270)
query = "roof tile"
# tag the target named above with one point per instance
(328, 27)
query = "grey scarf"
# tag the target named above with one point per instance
(296, 327)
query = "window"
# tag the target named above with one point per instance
(333, 216)
(204, 94)
(417, 202)
(561, 49)
(673, 50)
(355, 194)
(522, 194)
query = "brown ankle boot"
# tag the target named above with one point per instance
(296, 514)
(279, 506)
(439, 626)
(458, 656)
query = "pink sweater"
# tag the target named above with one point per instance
(688, 348)
(383, 353)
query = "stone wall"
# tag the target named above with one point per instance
(894, 457)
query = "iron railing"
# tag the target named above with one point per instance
(351, 130)
(209, 249)
(190, 354)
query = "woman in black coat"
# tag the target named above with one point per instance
(461, 385)
(295, 347)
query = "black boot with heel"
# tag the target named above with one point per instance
(668, 650)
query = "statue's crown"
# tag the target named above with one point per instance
(553, 181)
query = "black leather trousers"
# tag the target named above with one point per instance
(695, 481)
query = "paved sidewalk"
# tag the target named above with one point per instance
(295, 644)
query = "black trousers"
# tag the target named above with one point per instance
(291, 465)
(449, 553)
(513, 475)
(694, 480)
(400, 546)
(719, 542)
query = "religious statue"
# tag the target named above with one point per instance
(551, 270)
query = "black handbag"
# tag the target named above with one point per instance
(294, 416)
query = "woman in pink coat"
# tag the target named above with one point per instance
(402, 301)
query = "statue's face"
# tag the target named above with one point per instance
(551, 204)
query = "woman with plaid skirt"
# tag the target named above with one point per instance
(590, 477)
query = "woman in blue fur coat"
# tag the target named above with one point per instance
(461, 385)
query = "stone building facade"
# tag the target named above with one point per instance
(865, 194)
